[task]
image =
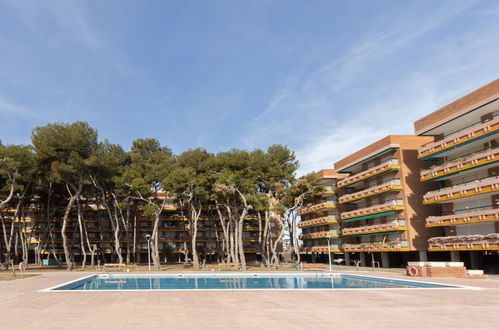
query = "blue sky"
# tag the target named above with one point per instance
(323, 77)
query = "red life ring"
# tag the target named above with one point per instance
(22, 266)
(413, 271)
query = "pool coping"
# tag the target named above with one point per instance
(443, 286)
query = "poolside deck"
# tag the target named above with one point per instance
(22, 306)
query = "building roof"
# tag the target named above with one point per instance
(329, 173)
(379, 147)
(470, 102)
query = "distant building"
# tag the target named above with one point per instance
(320, 221)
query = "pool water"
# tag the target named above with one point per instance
(238, 282)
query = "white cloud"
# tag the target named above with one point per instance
(8, 107)
(330, 112)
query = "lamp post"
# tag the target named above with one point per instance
(148, 238)
(329, 250)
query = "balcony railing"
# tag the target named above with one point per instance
(321, 234)
(488, 156)
(329, 190)
(318, 221)
(387, 186)
(474, 132)
(393, 205)
(468, 242)
(392, 164)
(379, 228)
(317, 207)
(462, 190)
(324, 249)
(484, 214)
(376, 246)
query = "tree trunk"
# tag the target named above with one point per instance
(116, 231)
(242, 256)
(155, 236)
(225, 239)
(194, 217)
(67, 254)
(82, 234)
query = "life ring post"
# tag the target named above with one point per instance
(413, 271)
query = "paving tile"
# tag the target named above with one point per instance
(22, 305)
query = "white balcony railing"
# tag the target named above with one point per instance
(391, 205)
(459, 137)
(317, 207)
(466, 242)
(461, 164)
(462, 217)
(318, 221)
(386, 186)
(463, 190)
(368, 173)
(321, 234)
(392, 225)
(320, 248)
(373, 246)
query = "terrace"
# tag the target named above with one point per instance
(395, 225)
(373, 211)
(328, 190)
(467, 189)
(390, 185)
(376, 246)
(317, 207)
(465, 216)
(464, 243)
(461, 164)
(318, 221)
(390, 165)
(321, 234)
(456, 139)
(321, 249)
(249, 309)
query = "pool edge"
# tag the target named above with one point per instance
(442, 286)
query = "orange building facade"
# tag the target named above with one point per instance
(464, 162)
(380, 200)
(320, 221)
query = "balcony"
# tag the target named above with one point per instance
(484, 214)
(317, 207)
(318, 221)
(376, 246)
(376, 190)
(395, 225)
(328, 190)
(321, 234)
(321, 249)
(461, 164)
(390, 165)
(464, 243)
(373, 211)
(473, 133)
(477, 187)
(174, 229)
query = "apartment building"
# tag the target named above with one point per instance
(319, 222)
(40, 233)
(463, 161)
(380, 199)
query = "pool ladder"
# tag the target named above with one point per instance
(106, 272)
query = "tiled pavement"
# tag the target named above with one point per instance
(23, 306)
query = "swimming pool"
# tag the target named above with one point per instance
(261, 281)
